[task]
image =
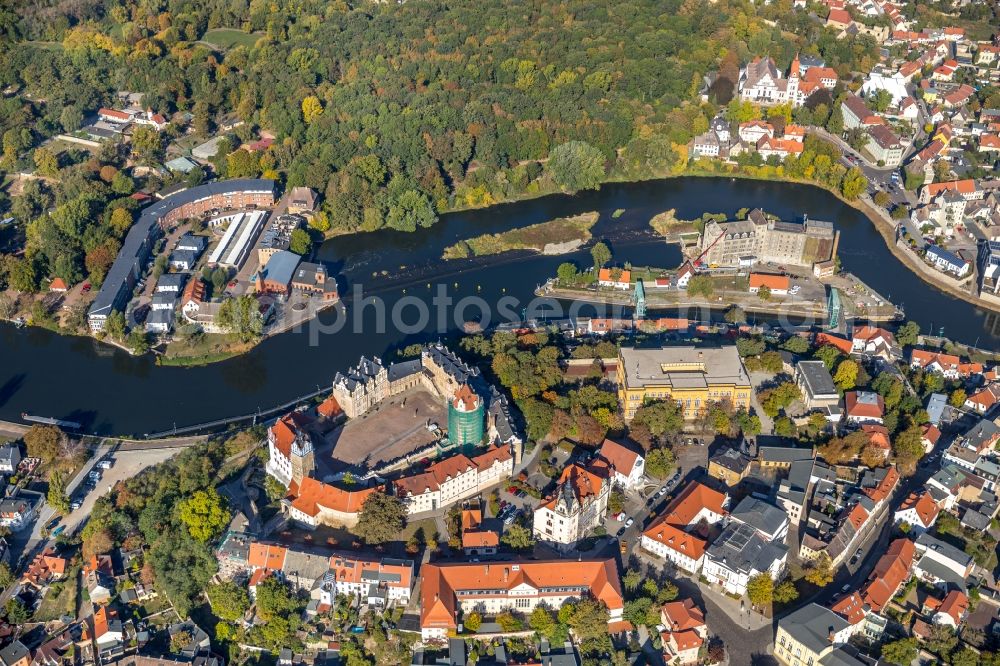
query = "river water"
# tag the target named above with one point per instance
(113, 393)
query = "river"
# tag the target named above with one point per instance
(110, 392)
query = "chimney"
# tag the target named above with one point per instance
(506, 574)
(830, 634)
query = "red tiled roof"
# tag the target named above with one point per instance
(310, 495)
(889, 573)
(923, 505)
(863, 409)
(773, 282)
(621, 458)
(851, 608)
(286, 428)
(604, 275)
(955, 604)
(828, 339)
(441, 582)
(682, 615)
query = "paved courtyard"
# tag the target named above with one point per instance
(396, 427)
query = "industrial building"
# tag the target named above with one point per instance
(193, 202)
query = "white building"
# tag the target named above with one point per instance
(625, 466)
(739, 554)
(578, 505)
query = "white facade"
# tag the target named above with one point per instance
(689, 560)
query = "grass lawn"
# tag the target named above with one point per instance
(202, 349)
(227, 38)
(533, 237)
(428, 527)
(157, 605)
(61, 598)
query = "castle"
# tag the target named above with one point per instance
(364, 386)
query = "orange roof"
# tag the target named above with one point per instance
(931, 433)
(923, 504)
(967, 186)
(885, 486)
(604, 275)
(465, 399)
(948, 362)
(440, 583)
(989, 141)
(683, 510)
(497, 454)
(955, 604)
(266, 556)
(863, 409)
(677, 539)
(329, 408)
(285, 430)
(772, 282)
(352, 570)
(843, 345)
(889, 573)
(986, 397)
(194, 291)
(614, 455)
(102, 616)
(840, 17)
(868, 333)
(780, 145)
(112, 113)
(58, 284)
(795, 130)
(471, 519)
(851, 608)
(857, 516)
(310, 496)
(683, 640)
(877, 435)
(682, 615)
(258, 576)
(480, 539)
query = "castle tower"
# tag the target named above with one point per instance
(465, 418)
(303, 462)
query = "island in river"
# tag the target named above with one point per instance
(126, 394)
(559, 236)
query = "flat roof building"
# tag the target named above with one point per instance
(694, 376)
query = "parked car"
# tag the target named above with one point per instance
(661, 492)
(620, 532)
(59, 530)
(629, 523)
(52, 523)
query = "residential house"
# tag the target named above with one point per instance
(940, 563)
(46, 568)
(947, 261)
(863, 407)
(673, 536)
(753, 131)
(19, 509)
(949, 365)
(889, 573)
(729, 465)
(983, 399)
(476, 539)
(860, 616)
(10, 458)
(814, 634)
(109, 633)
(685, 631)
(874, 341)
(616, 278)
(918, 510)
(624, 465)
(99, 577)
(453, 479)
(953, 610)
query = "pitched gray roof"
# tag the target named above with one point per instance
(759, 514)
(741, 549)
(811, 626)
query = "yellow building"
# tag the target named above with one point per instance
(695, 377)
(814, 635)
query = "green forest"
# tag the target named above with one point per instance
(395, 113)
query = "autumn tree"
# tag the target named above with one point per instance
(44, 442)
(601, 255)
(204, 514)
(576, 165)
(820, 571)
(760, 589)
(381, 519)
